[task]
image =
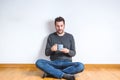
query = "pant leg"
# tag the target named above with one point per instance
(49, 67)
(73, 67)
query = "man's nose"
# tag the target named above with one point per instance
(60, 27)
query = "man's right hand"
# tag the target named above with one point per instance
(54, 47)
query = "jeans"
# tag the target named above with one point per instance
(58, 68)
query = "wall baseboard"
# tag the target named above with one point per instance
(107, 66)
(18, 65)
(88, 66)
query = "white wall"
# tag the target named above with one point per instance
(25, 25)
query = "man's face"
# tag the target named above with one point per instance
(60, 27)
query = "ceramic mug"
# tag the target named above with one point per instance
(59, 47)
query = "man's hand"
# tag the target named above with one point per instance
(54, 47)
(65, 50)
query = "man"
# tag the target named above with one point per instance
(61, 48)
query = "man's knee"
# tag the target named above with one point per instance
(80, 66)
(40, 62)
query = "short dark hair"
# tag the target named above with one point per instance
(58, 19)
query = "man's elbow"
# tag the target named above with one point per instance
(47, 54)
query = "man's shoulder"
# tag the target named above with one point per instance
(68, 34)
(52, 34)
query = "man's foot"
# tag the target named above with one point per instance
(47, 75)
(69, 77)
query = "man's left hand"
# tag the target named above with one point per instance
(65, 50)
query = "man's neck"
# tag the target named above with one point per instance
(61, 34)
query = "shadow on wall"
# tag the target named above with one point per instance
(49, 29)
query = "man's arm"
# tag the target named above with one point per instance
(48, 47)
(71, 52)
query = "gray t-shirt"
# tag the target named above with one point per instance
(68, 42)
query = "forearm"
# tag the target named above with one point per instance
(72, 53)
(48, 52)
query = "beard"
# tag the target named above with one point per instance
(60, 31)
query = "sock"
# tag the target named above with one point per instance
(69, 77)
(47, 75)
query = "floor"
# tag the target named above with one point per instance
(35, 74)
